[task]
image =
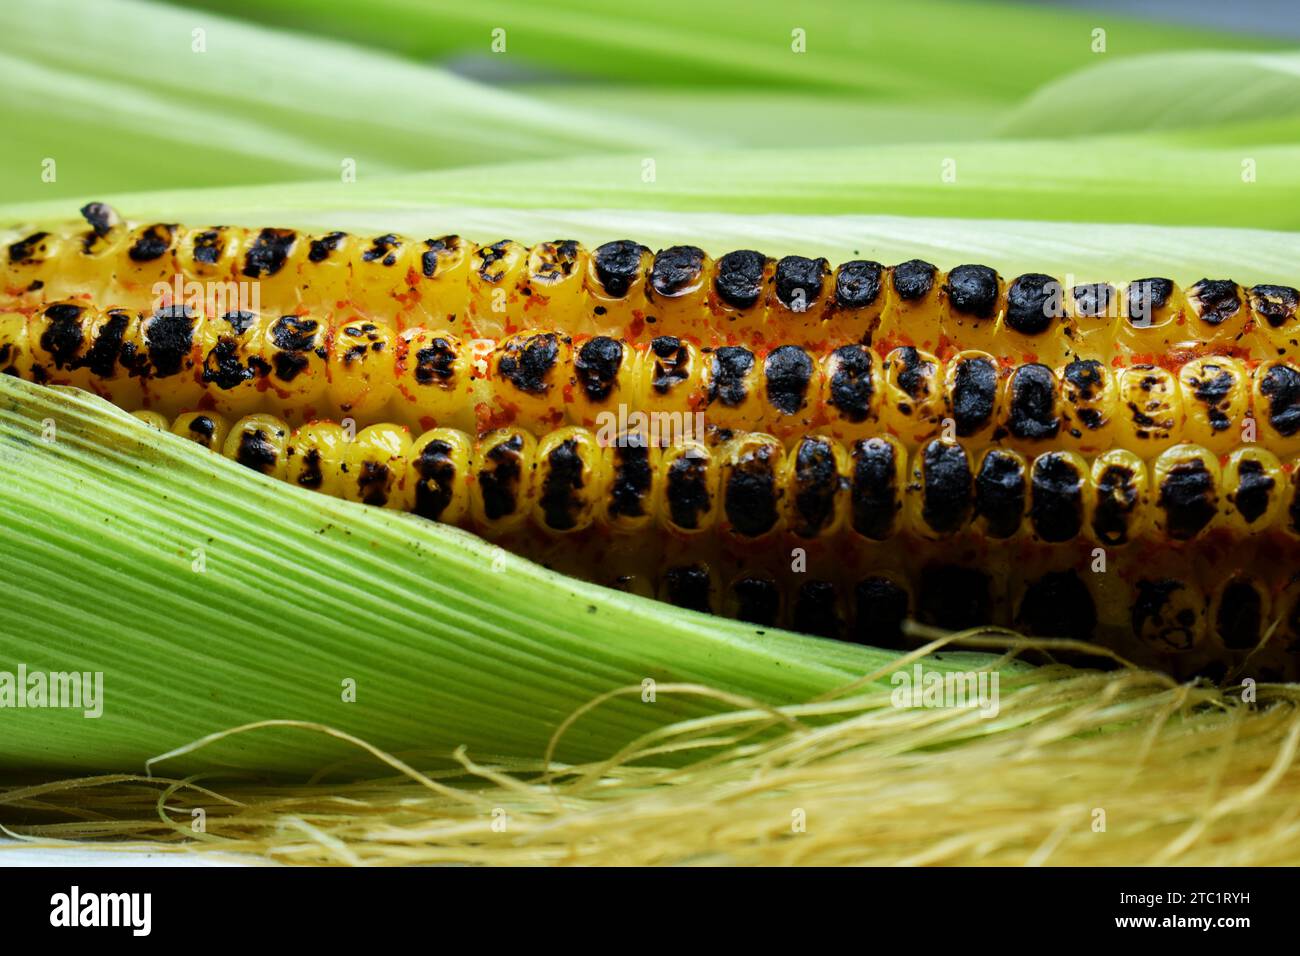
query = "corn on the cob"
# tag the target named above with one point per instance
(1004, 538)
(952, 446)
(300, 369)
(750, 487)
(623, 290)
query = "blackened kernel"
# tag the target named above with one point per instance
(973, 290)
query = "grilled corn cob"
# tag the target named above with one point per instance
(1005, 539)
(300, 369)
(833, 449)
(623, 290)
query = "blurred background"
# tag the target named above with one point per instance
(519, 117)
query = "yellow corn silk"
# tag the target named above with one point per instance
(833, 449)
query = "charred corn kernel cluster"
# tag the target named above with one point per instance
(300, 369)
(833, 449)
(849, 540)
(623, 290)
(751, 488)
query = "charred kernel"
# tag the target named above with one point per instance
(320, 249)
(1058, 604)
(1086, 379)
(913, 279)
(62, 338)
(268, 253)
(1188, 496)
(1146, 297)
(100, 216)
(107, 349)
(858, 283)
(954, 598)
(1033, 301)
(788, 370)
(1094, 300)
(689, 586)
(375, 465)
(914, 372)
(816, 609)
(946, 486)
(631, 482)
(973, 290)
(151, 243)
(687, 492)
(750, 491)
(1117, 499)
(731, 365)
(434, 250)
(203, 427)
(1239, 618)
(435, 363)
(311, 474)
(1032, 413)
(757, 600)
(1212, 383)
(552, 262)
(1000, 491)
(384, 250)
(873, 491)
(207, 247)
(815, 486)
(1163, 615)
(1275, 303)
(240, 322)
(24, 251)
(492, 262)
(562, 484)
(672, 363)
(169, 337)
(617, 266)
(973, 393)
(739, 280)
(1281, 386)
(799, 281)
(1217, 300)
(1056, 502)
(676, 269)
(880, 608)
(259, 448)
(597, 364)
(292, 336)
(500, 476)
(850, 382)
(527, 362)
(1254, 489)
(436, 475)
(439, 476)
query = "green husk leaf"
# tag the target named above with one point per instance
(210, 596)
(1107, 179)
(256, 105)
(1169, 91)
(991, 51)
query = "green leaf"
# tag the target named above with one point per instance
(919, 49)
(1201, 90)
(1105, 179)
(210, 596)
(256, 105)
